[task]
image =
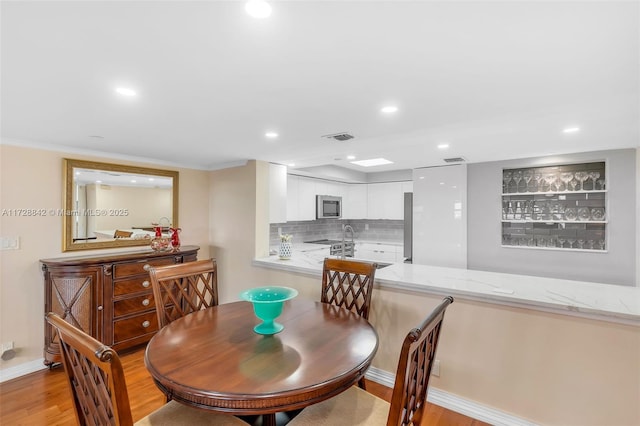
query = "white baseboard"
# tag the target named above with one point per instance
(22, 369)
(455, 403)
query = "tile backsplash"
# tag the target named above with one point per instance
(381, 230)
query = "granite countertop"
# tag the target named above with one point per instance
(600, 301)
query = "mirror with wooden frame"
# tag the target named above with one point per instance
(112, 205)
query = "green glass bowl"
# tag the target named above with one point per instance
(267, 305)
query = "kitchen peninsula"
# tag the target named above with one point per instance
(598, 301)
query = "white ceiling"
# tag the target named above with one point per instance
(494, 80)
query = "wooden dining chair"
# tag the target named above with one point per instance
(356, 407)
(181, 289)
(348, 284)
(97, 384)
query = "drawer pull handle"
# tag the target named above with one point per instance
(146, 324)
(146, 267)
(145, 302)
(145, 284)
(100, 308)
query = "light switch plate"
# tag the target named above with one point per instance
(9, 243)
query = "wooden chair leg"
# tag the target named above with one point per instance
(361, 384)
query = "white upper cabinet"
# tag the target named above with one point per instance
(385, 201)
(293, 183)
(359, 201)
(301, 195)
(354, 201)
(278, 203)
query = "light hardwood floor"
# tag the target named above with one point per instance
(42, 398)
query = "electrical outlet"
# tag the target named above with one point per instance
(435, 368)
(366, 226)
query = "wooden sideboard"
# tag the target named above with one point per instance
(107, 296)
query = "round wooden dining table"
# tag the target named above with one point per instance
(213, 359)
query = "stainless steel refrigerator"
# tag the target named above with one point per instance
(408, 227)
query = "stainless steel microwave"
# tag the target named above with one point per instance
(328, 207)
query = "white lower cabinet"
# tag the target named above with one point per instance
(378, 252)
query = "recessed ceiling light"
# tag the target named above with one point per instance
(372, 162)
(271, 135)
(151, 179)
(133, 181)
(291, 164)
(125, 91)
(98, 181)
(441, 183)
(389, 109)
(96, 136)
(571, 130)
(259, 9)
(351, 157)
(443, 146)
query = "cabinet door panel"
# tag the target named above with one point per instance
(293, 191)
(385, 201)
(307, 199)
(355, 202)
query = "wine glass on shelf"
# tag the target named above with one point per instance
(550, 180)
(573, 184)
(594, 177)
(582, 176)
(580, 243)
(590, 244)
(561, 242)
(600, 244)
(527, 176)
(571, 242)
(538, 178)
(566, 178)
(506, 177)
(601, 184)
(517, 177)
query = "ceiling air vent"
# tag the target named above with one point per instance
(344, 136)
(454, 160)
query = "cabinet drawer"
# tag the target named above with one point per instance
(136, 326)
(133, 305)
(136, 268)
(135, 285)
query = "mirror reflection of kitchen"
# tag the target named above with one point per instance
(109, 201)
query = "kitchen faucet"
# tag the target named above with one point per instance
(346, 228)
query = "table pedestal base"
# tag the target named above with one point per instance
(277, 419)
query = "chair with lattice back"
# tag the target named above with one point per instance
(348, 284)
(96, 380)
(181, 289)
(356, 407)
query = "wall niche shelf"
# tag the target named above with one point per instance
(561, 207)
